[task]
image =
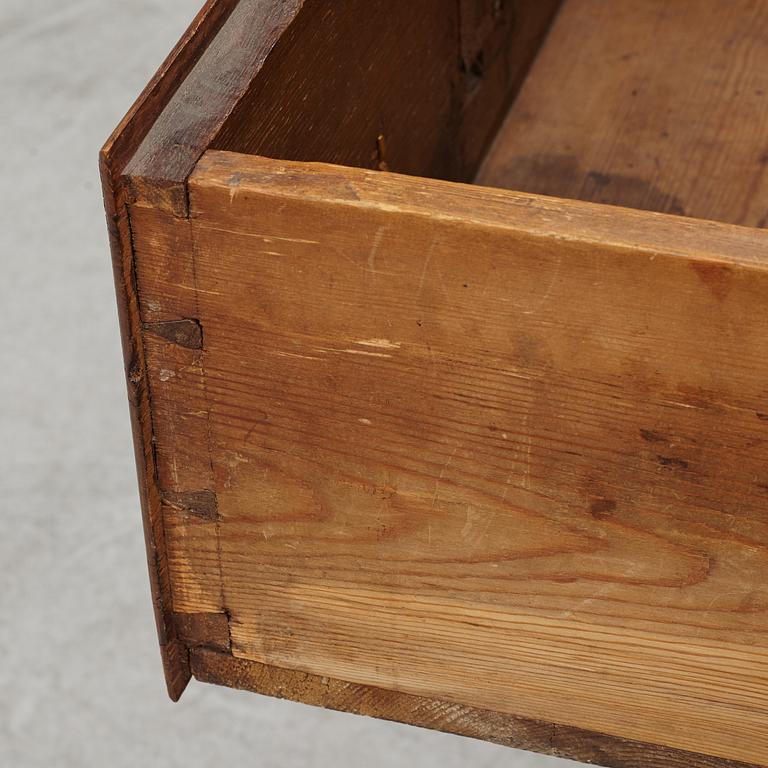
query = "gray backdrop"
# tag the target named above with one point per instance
(80, 677)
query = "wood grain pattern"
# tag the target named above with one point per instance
(473, 446)
(147, 161)
(197, 109)
(113, 158)
(494, 459)
(647, 104)
(314, 80)
(522, 733)
(333, 85)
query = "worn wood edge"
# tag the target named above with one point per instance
(113, 157)
(132, 129)
(214, 667)
(210, 630)
(173, 655)
(158, 169)
(645, 233)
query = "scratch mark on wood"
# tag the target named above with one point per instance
(548, 292)
(423, 277)
(442, 475)
(267, 238)
(379, 343)
(277, 353)
(367, 354)
(374, 252)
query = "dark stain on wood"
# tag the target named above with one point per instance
(186, 333)
(560, 175)
(673, 462)
(612, 101)
(717, 277)
(602, 509)
(209, 630)
(652, 437)
(202, 504)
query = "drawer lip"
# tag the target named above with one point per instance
(223, 69)
(127, 137)
(118, 153)
(646, 232)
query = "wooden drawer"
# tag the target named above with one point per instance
(428, 427)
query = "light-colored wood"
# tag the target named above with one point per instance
(210, 91)
(653, 104)
(509, 730)
(475, 460)
(490, 448)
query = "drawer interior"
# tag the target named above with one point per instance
(647, 104)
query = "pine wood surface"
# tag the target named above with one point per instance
(471, 446)
(508, 730)
(648, 104)
(471, 459)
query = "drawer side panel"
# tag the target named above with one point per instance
(490, 448)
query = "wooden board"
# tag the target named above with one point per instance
(313, 80)
(113, 159)
(648, 104)
(523, 733)
(486, 448)
(208, 90)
